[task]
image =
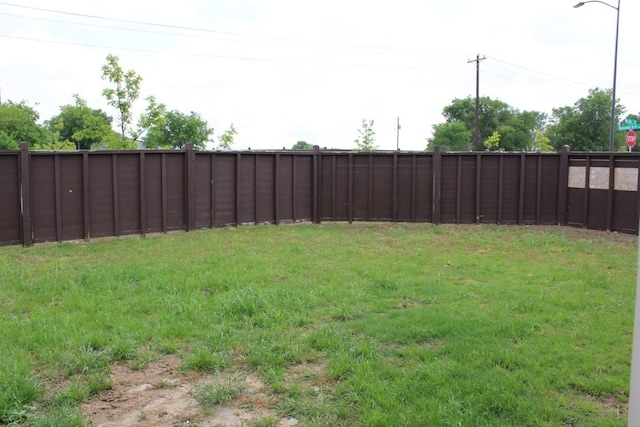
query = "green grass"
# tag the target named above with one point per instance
(368, 324)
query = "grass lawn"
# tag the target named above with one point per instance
(397, 325)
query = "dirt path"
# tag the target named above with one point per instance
(161, 395)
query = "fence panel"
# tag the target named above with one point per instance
(303, 188)
(625, 197)
(10, 216)
(154, 201)
(511, 190)
(265, 188)
(424, 182)
(128, 202)
(45, 197)
(56, 196)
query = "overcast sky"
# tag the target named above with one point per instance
(289, 70)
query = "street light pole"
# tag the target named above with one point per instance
(612, 129)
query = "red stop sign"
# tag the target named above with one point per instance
(631, 138)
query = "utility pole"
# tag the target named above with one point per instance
(398, 135)
(476, 133)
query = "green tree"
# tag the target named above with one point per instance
(19, 122)
(493, 141)
(302, 145)
(366, 137)
(585, 126)
(124, 92)
(541, 142)
(226, 140)
(80, 125)
(516, 128)
(451, 136)
(177, 129)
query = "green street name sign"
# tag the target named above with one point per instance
(629, 124)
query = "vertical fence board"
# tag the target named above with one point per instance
(304, 188)
(563, 184)
(154, 200)
(478, 203)
(25, 192)
(437, 186)
(70, 175)
(128, 189)
(43, 197)
(58, 204)
(214, 184)
(265, 188)
(86, 212)
(294, 187)
(246, 190)
(190, 169)
(143, 194)
(12, 226)
(511, 189)
(116, 196)
(405, 188)
(276, 193)
(285, 192)
(414, 184)
(610, 194)
(175, 187)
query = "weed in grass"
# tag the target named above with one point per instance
(266, 422)
(245, 303)
(142, 360)
(167, 347)
(85, 360)
(97, 383)
(19, 389)
(123, 350)
(346, 311)
(202, 360)
(209, 395)
(60, 416)
(74, 394)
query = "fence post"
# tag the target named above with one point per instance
(563, 184)
(25, 194)
(478, 187)
(610, 192)
(437, 185)
(394, 188)
(350, 190)
(190, 159)
(315, 212)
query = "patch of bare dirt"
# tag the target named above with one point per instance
(162, 396)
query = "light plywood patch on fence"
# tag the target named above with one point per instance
(599, 178)
(626, 179)
(577, 176)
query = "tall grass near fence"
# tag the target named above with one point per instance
(347, 325)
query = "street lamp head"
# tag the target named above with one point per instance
(578, 5)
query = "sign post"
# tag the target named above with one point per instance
(631, 139)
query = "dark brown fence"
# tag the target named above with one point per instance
(57, 196)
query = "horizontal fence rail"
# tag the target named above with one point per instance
(58, 196)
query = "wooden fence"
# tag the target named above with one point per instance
(58, 196)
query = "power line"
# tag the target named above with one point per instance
(230, 57)
(300, 44)
(261, 38)
(538, 72)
